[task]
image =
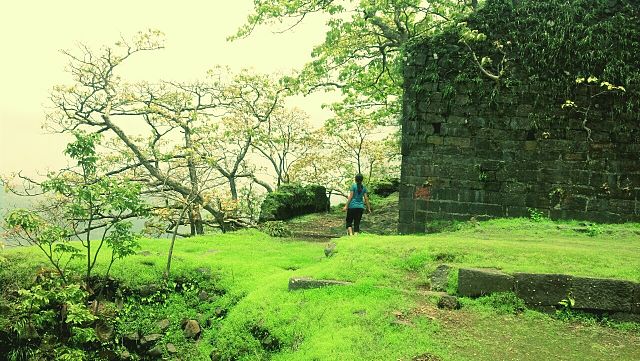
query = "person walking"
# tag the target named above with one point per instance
(358, 198)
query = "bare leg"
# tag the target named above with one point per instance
(350, 231)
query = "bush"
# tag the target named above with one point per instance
(292, 200)
(384, 187)
(276, 229)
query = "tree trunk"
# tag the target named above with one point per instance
(233, 188)
(192, 223)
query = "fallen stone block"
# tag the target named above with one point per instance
(542, 289)
(440, 278)
(602, 294)
(635, 300)
(303, 283)
(474, 282)
(625, 317)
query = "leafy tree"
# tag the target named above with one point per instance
(84, 202)
(157, 130)
(362, 51)
(284, 141)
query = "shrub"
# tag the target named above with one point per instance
(276, 229)
(292, 200)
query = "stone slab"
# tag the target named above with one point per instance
(602, 294)
(474, 282)
(539, 290)
(303, 283)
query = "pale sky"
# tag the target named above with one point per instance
(32, 33)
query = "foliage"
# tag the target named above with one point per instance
(192, 135)
(536, 215)
(361, 54)
(49, 314)
(84, 203)
(543, 46)
(252, 315)
(276, 229)
(503, 302)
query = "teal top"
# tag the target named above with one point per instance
(358, 197)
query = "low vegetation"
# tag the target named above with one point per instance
(235, 287)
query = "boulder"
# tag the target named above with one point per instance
(171, 348)
(540, 290)
(192, 329)
(151, 338)
(156, 351)
(104, 330)
(302, 283)
(440, 278)
(602, 294)
(475, 282)
(163, 325)
(203, 295)
(449, 302)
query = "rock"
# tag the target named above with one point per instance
(542, 289)
(602, 294)
(203, 295)
(192, 329)
(104, 331)
(163, 325)
(448, 302)
(150, 338)
(148, 290)
(296, 283)
(329, 249)
(131, 339)
(215, 356)
(474, 282)
(220, 312)
(171, 348)
(440, 278)
(156, 351)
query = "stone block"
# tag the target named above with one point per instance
(602, 294)
(474, 282)
(440, 278)
(303, 283)
(635, 299)
(542, 289)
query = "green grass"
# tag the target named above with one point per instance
(383, 315)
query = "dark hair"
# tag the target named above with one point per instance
(359, 179)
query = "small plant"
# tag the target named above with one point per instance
(276, 229)
(594, 230)
(536, 215)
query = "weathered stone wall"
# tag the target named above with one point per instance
(466, 154)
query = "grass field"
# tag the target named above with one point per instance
(384, 315)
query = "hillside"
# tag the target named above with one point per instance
(235, 287)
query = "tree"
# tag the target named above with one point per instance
(283, 141)
(155, 128)
(361, 54)
(83, 203)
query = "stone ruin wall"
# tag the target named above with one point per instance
(466, 155)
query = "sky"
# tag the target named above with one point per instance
(32, 33)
